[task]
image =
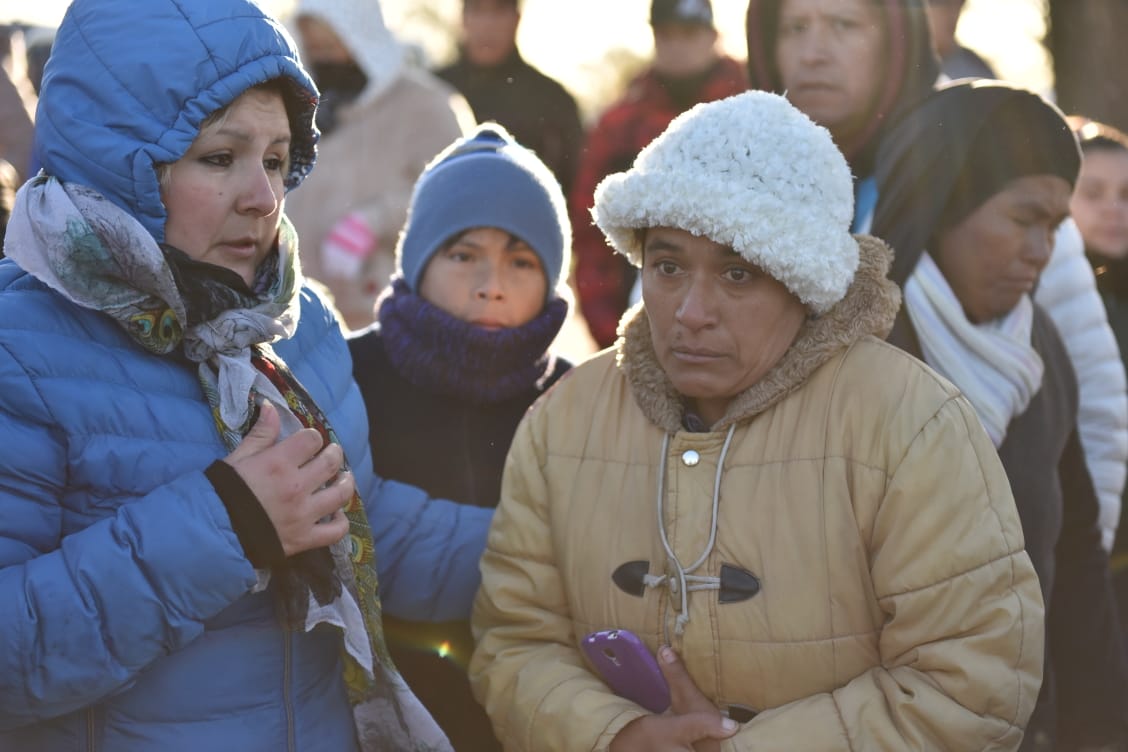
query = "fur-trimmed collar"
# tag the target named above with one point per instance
(869, 307)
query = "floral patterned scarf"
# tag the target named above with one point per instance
(98, 256)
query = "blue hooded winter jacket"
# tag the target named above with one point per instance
(127, 620)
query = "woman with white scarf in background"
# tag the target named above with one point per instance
(978, 178)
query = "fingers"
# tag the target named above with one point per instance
(328, 532)
(325, 507)
(672, 733)
(695, 727)
(317, 464)
(302, 446)
(333, 497)
(321, 520)
(698, 718)
(685, 697)
(298, 481)
(263, 434)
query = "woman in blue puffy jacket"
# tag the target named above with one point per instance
(187, 557)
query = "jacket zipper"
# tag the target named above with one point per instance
(90, 747)
(287, 678)
(287, 671)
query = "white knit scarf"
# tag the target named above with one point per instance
(992, 363)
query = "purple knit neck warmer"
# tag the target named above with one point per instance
(436, 351)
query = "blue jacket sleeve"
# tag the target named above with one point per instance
(427, 551)
(84, 612)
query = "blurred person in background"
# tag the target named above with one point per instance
(40, 40)
(381, 121)
(855, 67)
(1100, 207)
(9, 182)
(502, 87)
(1100, 201)
(687, 68)
(1069, 292)
(17, 103)
(956, 61)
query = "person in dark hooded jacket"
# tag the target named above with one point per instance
(975, 181)
(873, 61)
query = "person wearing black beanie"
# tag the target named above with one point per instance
(957, 151)
(976, 180)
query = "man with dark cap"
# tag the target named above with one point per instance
(502, 87)
(687, 69)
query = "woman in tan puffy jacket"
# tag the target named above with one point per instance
(809, 526)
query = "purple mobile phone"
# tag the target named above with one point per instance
(628, 667)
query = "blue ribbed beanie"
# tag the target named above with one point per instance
(486, 179)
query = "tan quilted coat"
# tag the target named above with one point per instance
(898, 609)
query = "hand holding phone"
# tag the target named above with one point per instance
(628, 667)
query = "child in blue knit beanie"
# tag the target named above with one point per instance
(457, 355)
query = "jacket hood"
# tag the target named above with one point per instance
(912, 71)
(130, 82)
(360, 25)
(869, 308)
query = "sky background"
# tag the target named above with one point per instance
(568, 40)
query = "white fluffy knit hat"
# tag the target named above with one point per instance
(750, 172)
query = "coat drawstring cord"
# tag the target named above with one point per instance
(682, 581)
